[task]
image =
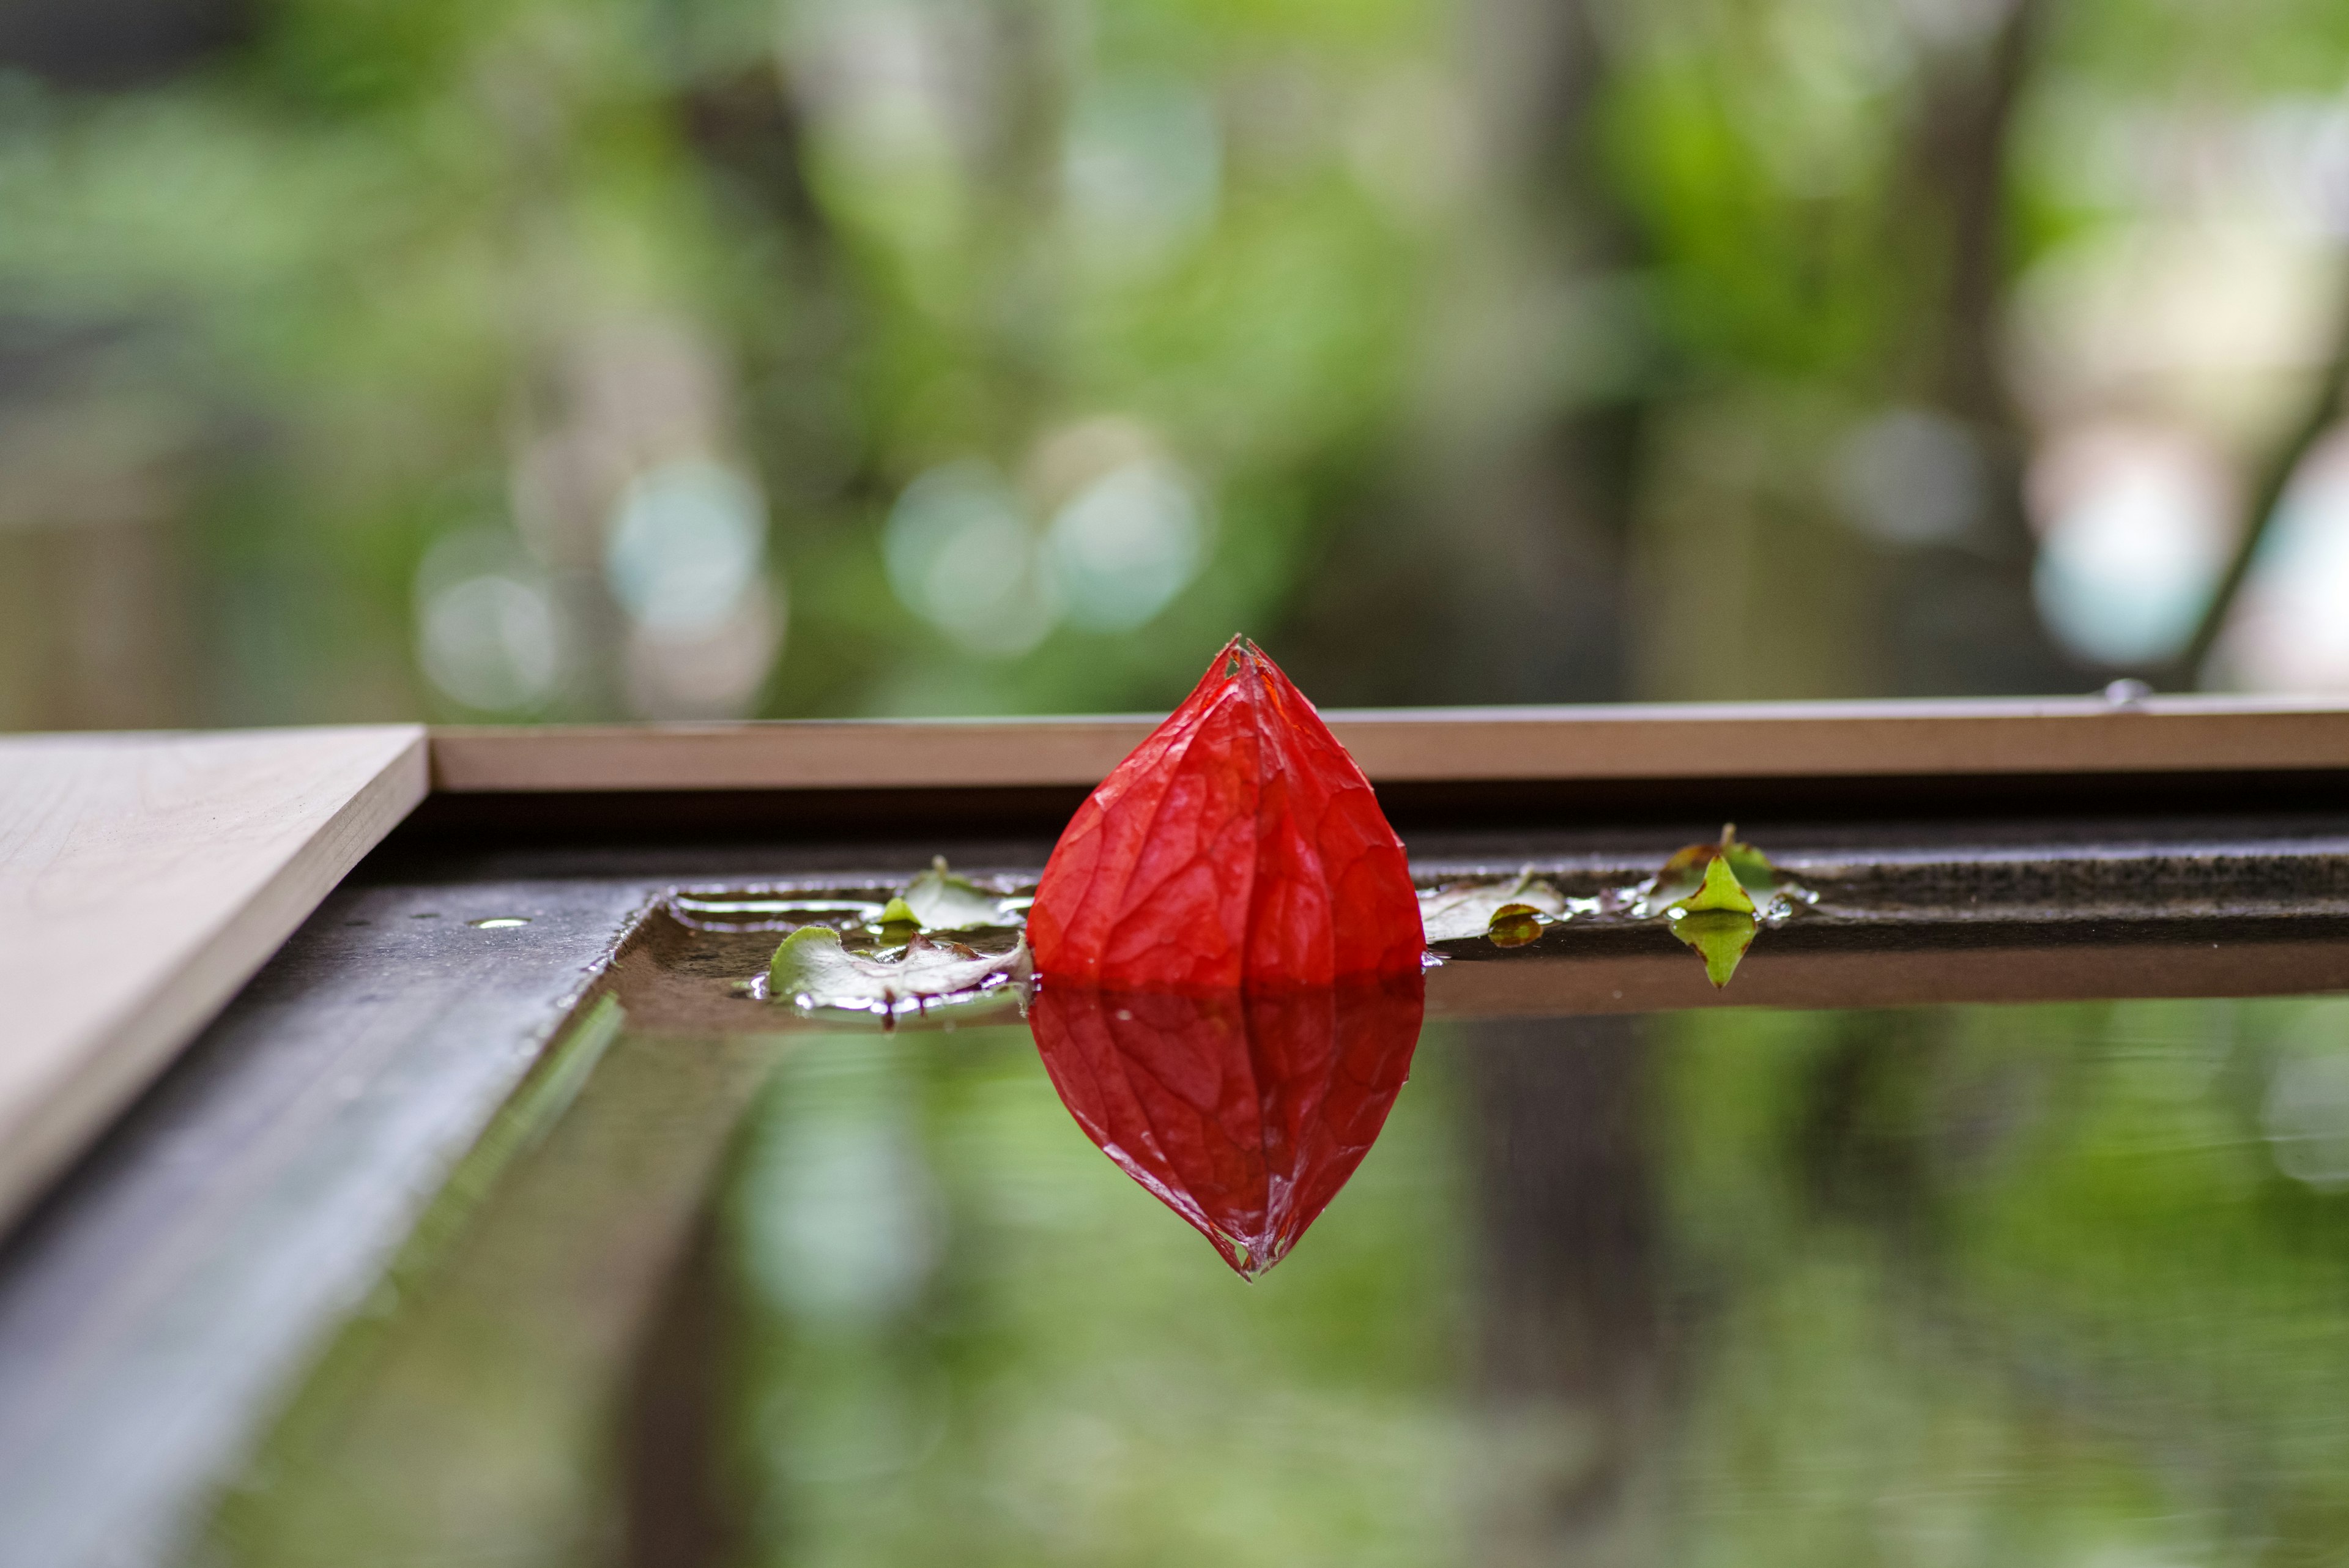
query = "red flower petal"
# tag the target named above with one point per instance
(1238, 845)
(1243, 1113)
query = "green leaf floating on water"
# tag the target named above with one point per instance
(943, 901)
(1717, 895)
(1684, 873)
(1515, 926)
(1510, 911)
(1721, 890)
(1720, 937)
(1773, 893)
(812, 969)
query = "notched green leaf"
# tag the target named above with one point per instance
(1773, 893)
(812, 969)
(1721, 890)
(1720, 936)
(1717, 895)
(1511, 912)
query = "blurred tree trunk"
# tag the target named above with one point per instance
(2327, 405)
(1497, 575)
(808, 386)
(97, 624)
(1752, 581)
(1749, 584)
(1572, 1349)
(749, 130)
(679, 1497)
(1960, 618)
(94, 627)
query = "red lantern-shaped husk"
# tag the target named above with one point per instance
(1239, 846)
(1243, 1113)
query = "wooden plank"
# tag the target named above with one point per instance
(143, 878)
(1812, 739)
(854, 754)
(1671, 980)
(150, 1319)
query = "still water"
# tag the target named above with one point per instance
(1970, 1284)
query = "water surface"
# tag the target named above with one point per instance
(1975, 1282)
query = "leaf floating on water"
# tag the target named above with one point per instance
(1717, 895)
(1721, 890)
(1721, 937)
(1773, 893)
(943, 901)
(1515, 926)
(1238, 844)
(812, 969)
(1459, 910)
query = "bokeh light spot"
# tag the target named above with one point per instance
(962, 555)
(1125, 545)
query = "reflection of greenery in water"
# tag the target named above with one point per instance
(464, 1413)
(1010, 1354)
(2009, 1284)
(1950, 1286)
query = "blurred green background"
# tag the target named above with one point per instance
(572, 359)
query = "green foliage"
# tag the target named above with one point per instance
(2013, 1284)
(357, 277)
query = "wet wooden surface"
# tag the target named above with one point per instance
(157, 1304)
(2149, 908)
(1645, 970)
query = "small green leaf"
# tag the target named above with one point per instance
(1720, 936)
(1683, 876)
(1721, 890)
(812, 969)
(897, 912)
(1716, 897)
(943, 901)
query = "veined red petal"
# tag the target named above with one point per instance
(1243, 1112)
(1238, 845)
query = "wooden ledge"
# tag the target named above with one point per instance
(1805, 740)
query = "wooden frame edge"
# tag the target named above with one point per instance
(1693, 742)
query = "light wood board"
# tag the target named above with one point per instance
(1810, 740)
(143, 878)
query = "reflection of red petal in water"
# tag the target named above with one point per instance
(1243, 1113)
